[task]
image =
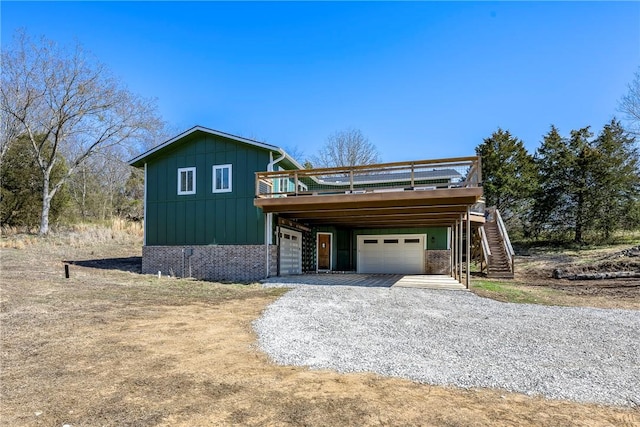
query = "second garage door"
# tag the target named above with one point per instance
(392, 254)
(290, 252)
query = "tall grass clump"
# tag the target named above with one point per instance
(115, 230)
(17, 237)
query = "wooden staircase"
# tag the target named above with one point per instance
(492, 248)
(499, 265)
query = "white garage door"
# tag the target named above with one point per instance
(290, 252)
(396, 254)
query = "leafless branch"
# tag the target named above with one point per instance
(346, 148)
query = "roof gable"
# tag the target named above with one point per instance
(139, 161)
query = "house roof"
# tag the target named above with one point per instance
(139, 160)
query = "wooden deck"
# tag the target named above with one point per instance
(404, 194)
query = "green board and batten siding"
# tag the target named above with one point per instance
(204, 218)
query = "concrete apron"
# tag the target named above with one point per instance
(429, 281)
(418, 281)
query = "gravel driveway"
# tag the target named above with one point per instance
(459, 339)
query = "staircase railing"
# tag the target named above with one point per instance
(505, 238)
(486, 251)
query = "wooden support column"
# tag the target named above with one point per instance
(266, 243)
(452, 239)
(460, 245)
(454, 250)
(468, 278)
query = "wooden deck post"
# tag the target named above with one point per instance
(468, 278)
(413, 181)
(267, 225)
(460, 246)
(452, 245)
(454, 250)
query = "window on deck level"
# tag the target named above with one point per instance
(221, 178)
(186, 181)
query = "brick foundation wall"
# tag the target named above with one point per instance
(237, 263)
(437, 261)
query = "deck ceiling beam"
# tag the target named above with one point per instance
(410, 210)
(434, 220)
(397, 217)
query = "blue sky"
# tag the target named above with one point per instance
(420, 79)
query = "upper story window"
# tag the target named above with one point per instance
(186, 181)
(221, 178)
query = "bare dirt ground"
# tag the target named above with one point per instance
(111, 347)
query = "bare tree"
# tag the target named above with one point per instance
(9, 131)
(630, 104)
(97, 183)
(346, 148)
(69, 103)
(296, 152)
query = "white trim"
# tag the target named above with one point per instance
(186, 192)
(214, 168)
(330, 250)
(144, 209)
(269, 217)
(217, 133)
(273, 162)
(269, 228)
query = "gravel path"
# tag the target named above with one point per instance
(459, 339)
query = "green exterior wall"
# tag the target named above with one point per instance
(204, 218)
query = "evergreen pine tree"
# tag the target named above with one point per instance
(585, 185)
(552, 164)
(508, 175)
(616, 172)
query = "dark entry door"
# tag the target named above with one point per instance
(324, 251)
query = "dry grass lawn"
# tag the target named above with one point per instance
(110, 347)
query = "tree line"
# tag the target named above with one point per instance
(102, 187)
(578, 186)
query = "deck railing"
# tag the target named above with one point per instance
(424, 175)
(486, 250)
